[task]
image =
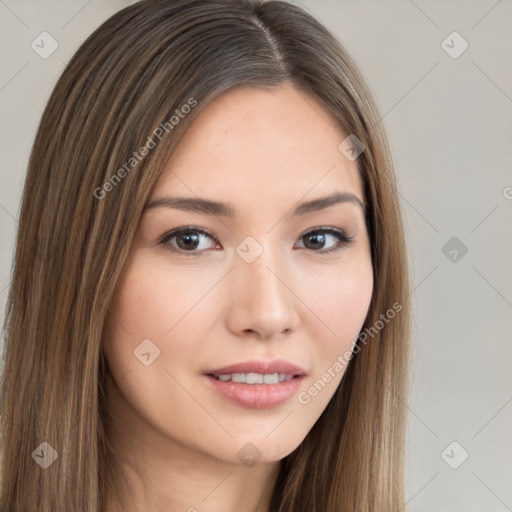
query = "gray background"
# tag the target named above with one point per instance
(449, 122)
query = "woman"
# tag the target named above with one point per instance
(209, 304)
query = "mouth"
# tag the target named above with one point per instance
(254, 378)
(257, 384)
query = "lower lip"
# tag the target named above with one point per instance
(256, 396)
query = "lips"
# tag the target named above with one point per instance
(256, 384)
(261, 367)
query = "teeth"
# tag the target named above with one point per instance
(255, 378)
(270, 378)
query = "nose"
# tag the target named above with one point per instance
(262, 301)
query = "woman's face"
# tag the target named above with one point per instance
(247, 284)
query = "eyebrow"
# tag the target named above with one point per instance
(209, 207)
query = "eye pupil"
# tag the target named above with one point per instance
(320, 240)
(188, 237)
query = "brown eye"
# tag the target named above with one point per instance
(188, 240)
(318, 238)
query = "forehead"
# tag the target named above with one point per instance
(278, 145)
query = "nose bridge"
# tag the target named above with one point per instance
(261, 301)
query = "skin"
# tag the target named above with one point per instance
(176, 439)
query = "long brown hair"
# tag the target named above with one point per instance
(80, 212)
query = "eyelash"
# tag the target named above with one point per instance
(344, 240)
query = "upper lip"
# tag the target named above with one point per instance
(263, 367)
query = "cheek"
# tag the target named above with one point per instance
(140, 310)
(168, 308)
(354, 295)
(149, 301)
(340, 297)
(341, 300)
(152, 314)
